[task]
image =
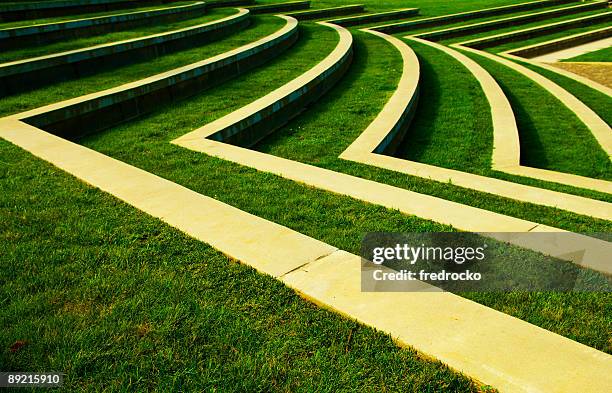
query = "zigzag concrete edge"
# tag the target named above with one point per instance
(394, 119)
(525, 358)
(598, 127)
(245, 126)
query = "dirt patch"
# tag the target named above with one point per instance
(598, 72)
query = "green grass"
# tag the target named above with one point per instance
(117, 300)
(552, 137)
(522, 25)
(261, 27)
(334, 219)
(451, 130)
(598, 55)
(63, 18)
(62, 46)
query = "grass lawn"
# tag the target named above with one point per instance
(337, 220)
(552, 137)
(598, 55)
(118, 300)
(260, 27)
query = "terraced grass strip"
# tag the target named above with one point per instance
(229, 3)
(331, 12)
(335, 219)
(604, 55)
(31, 73)
(319, 272)
(594, 94)
(387, 131)
(262, 26)
(34, 10)
(28, 52)
(104, 109)
(512, 36)
(255, 121)
(465, 16)
(50, 32)
(77, 292)
(596, 125)
(540, 143)
(542, 48)
(513, 21)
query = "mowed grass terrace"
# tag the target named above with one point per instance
(118, 300)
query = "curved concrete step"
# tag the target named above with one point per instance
(538, 31)
(248, 125)
(30, 73)
(399, 27)
(525, 358)
(381, 137)
(598, 127)
(93, 112)
(49, 32)
(461, 31)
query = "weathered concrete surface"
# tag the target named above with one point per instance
(376, 17)
(322, 13)
(90, 113)
(460, 31)
(250, 124)
(49, 32)
(31, 73)
(465, 16)
(279, 7)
